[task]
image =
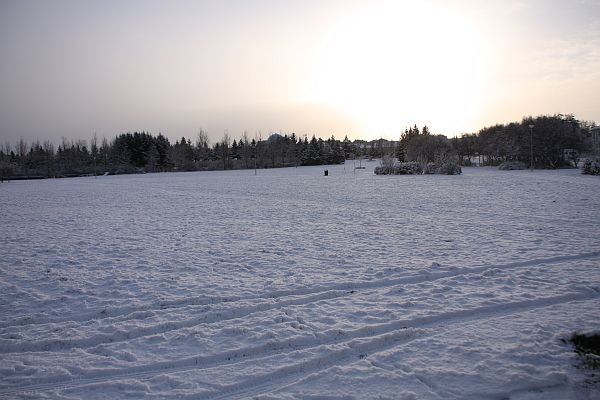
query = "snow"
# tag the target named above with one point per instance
(292, 285)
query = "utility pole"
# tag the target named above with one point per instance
(531, 147)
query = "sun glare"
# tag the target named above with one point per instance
(397, 63)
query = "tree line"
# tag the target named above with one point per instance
(545, 141)
(552, 142)
(144, 152)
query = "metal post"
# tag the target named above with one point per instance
(255, 156)
(531, 147)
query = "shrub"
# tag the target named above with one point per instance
(408, 168)
(591, 166)
(383, 171)
(387, 161)
(447, 166)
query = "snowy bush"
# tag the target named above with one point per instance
(407, 168)
(446, 167)
(591, 167)
(383, 170)
(387, 162)
(446, 164)
(429, 168)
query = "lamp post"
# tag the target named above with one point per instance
(531, 147)
(255, 155)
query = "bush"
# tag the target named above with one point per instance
(591, 167)
(384, 170)
(409, 168)
(387, 162)
(447, 166)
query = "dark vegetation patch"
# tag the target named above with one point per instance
(591, 166)
(587, 346)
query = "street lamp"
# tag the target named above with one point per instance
(531, 147)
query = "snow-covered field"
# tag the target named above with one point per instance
(293, 285)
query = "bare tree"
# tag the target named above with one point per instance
(7, 148)
(202, 138)
(22, 148)
(22, 153)
(246, 150)
(104, 152)
(48, 147)
(225, 143)
(94, 150)
(202, 145)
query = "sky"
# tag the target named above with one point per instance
(362, 68)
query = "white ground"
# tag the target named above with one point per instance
(294, 285)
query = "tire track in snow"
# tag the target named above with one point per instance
(335, 347)
(118, 313)
(274, 300)
(164, 327)
(357, 349)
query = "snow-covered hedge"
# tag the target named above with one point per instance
(444, 167)
(447, 166)
(406, 168)
(591, 167)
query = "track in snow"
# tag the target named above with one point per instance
(328, 291)
(270, 301)
(335, 349)
(128, 287)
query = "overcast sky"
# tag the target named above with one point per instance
(366, 69)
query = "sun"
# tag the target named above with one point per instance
(396, 63)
